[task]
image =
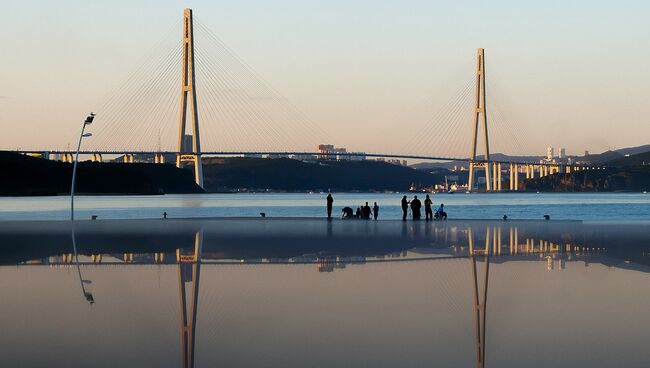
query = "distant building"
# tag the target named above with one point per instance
(549, 153)
(324, 150)
(329, 152)
(586, 153)
(277, 155)
(351, 156)
(303, 157)
(561, 152)
(396, 162)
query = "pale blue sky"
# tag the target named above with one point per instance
(574, 72)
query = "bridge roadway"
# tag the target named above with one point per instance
(299, 153)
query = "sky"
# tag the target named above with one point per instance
(569, 73)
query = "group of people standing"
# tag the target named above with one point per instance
(416, 206)
(365, 211)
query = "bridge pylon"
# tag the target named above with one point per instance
(188, 95)
(480, 114)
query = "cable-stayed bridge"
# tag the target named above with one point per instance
(222, 107)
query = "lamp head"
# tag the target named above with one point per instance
(89, 118)
(87, 135)
(89, 297)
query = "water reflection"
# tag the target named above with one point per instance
(87, 294)
(189, 272)
(480, 243)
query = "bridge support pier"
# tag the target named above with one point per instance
(128, 158)
(516, 181)
(511, 176)
(498, 176)
(159, 158)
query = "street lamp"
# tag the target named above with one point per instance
(88, 121)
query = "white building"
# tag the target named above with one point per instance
(549, 153)
(561, 152)
(352, 156)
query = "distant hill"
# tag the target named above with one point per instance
(634, 150)
(638, 159)
(283, 174)
(600, 158)
(25, 176)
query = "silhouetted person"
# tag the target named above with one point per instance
(416, 205)
(347, 212)
(428, 213)
(358, 214)
(165, 214)
(405, 208)
(366, 211)
(330, 200)
(441, 212)
(375, 211)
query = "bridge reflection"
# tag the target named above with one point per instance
(482, 244)
(189, 272)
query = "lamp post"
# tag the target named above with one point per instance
(88, 121)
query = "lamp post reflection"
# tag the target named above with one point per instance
(87, 295)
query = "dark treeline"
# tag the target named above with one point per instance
(26, 176)
(285, 174)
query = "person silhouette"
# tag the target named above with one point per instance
(405, 208)
(366, 211)
(416, 205)
(428, 214)
(375, 211)
(441, 212)
(330, 200)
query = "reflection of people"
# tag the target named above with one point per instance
(330, 200)
(415, 207)
(405, 208)
(375, 210)
(347, 212)
(428, 214)
(440, 213)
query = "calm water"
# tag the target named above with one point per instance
(584, 206)
(312, 293)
